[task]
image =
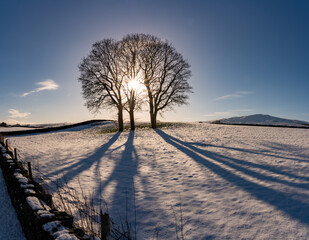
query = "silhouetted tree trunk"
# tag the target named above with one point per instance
(131, 112)
(154, 120)
(151, 107)
(120, 119)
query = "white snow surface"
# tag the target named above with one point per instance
(231, 182)
(13, 129)
(58, 231)
(9, 224)
(40, 126)
(34, 203)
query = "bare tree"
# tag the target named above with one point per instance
(112, 66)
(102, 79)
(165, 74)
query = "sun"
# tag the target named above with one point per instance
(134, 84)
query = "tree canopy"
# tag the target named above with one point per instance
(108, 72)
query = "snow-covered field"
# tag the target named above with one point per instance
(234, 182)
(12, 129)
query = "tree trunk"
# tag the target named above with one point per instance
(151, 108)
(131, 111)
(154, 119)
(153, 125)
(120, 119)
(132, 123)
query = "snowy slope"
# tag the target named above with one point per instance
(9, 224)
(260, 119)
(55, 127)
(12, 129)
(235, 182)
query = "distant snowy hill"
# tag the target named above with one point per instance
(261, 119)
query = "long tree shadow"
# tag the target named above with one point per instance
(82, 165)
(230, 161)
(282, 201)
(256, 152)
(123, 179)
(281, 147)
(122, 205)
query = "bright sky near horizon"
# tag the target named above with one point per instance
(246, 57)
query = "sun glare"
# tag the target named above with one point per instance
(133, 85)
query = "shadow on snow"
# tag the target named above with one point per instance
(123, 179)
(282, 201)
(83, 164)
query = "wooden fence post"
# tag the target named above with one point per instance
(7, 145)
(29, 170)
(105, 226)
(15, 154)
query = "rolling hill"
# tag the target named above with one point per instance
(263, 120)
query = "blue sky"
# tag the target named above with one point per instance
(246, 57)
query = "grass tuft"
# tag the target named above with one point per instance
(113, 129)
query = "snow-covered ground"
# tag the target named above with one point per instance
(234, 182)
(9, 224)
(40, 126)
(13, 129)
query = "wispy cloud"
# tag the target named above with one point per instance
(229, 113)
(218, 114)
(237, 94)
(48, 84)
(17, 114)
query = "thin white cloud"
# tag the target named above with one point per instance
(229, 113)
(17, 114)
(48, 84)
(242, 110)
(217, 114)
(237, 94)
